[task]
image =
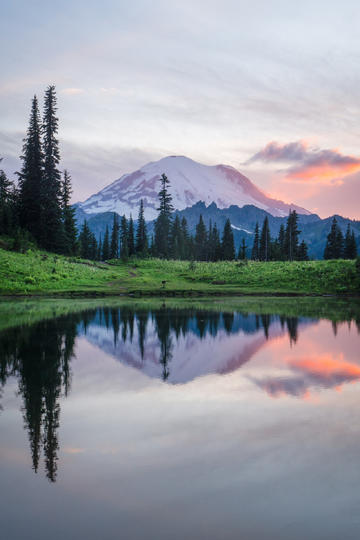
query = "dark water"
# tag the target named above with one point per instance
(161, 421)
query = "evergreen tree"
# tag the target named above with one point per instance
(201, 241)
(303, 252)
(70, 232)
(93, 247)
(99, 250)
(291, 242)
(52, 234)
(242, 250)
(187, 249)
(163, 221)
(353, 248)
(339, 243)
(152, 246)
(131, 237)
(256, 244)
(350, 250)
(124, 238)
(265, 241)
(281, 242)
(141, 244)
(211, 242)
(227, 244)
(275, 251)
(106, 245)
(85, 241)
(176, 239)
(114, 244)
(31, 176)
(217, 243)
(334, 242)
(6, 208)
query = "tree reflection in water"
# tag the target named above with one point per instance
(39, 356)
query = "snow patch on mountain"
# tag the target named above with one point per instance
(240, 229)
(190, 182)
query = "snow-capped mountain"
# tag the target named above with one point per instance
(190, 182)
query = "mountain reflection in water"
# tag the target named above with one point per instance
(175, 345)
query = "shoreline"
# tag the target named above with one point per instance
(173, 294)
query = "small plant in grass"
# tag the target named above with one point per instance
(192, 266)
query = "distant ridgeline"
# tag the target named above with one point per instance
(314, 230)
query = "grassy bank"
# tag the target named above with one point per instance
(39, 273)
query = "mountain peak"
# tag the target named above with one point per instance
(190, 182)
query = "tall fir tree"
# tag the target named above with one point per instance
(291, 240)
(93, 247)
(114, 244)
(31, 176)
(70, 231)
(281, 242)
(99, 250)
(141, 243)
(85, 241)
(106, 245)
(187, 249)
(333, 247)
(227, 243)
(124, 238)
(350, 250)
(339, 243)
(217, 243)
(52, 233)
(163, 221)
(201, 241)
(303, 251)
(131, 237)
(256, 244)
(242, 250)
(176, 239)
(265, 241)
(210, 247)
(7, 219)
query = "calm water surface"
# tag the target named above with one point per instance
(138, 421)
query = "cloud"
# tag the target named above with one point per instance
(273, 151)
(112, 91)
(72, 91)
(324, 371)
(93, 167)
(306, 162)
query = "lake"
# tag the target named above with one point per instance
(159, 419)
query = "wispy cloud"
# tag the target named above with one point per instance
(307, 162)
(112, 91)
(72, 91)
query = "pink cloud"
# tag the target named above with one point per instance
(308, 163)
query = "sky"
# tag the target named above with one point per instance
(270, 87)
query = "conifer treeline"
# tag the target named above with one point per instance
(338, 246)
(39, 206)
(285, 247)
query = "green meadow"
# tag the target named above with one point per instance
(40, 273)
